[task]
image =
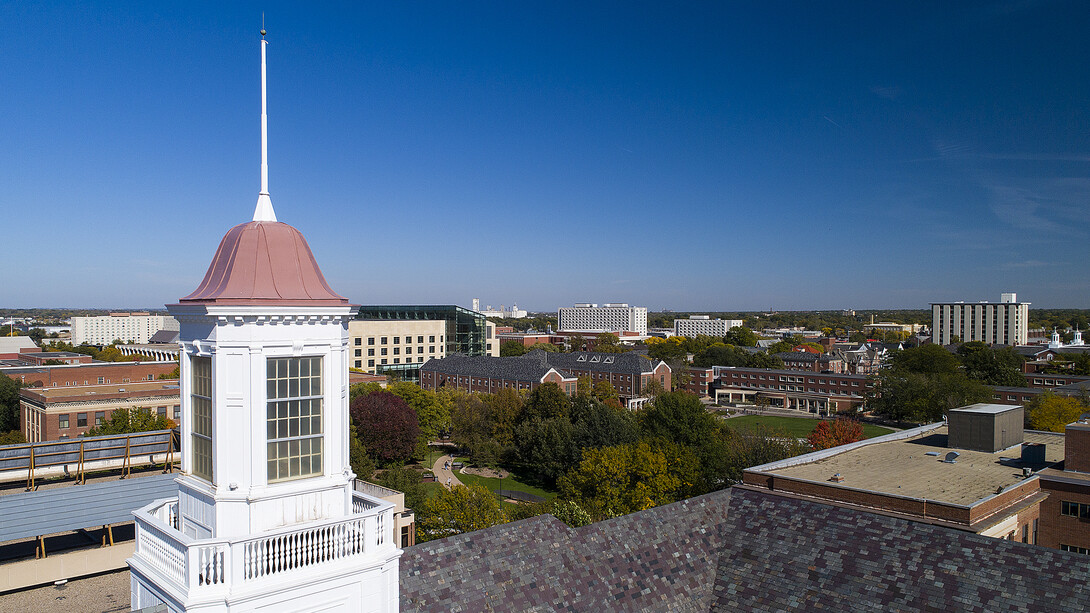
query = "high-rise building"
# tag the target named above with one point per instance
(266, 517)
(610, 317)
(698, 325)
(1002, 323)
(126, 327)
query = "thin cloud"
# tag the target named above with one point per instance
(1030, 264)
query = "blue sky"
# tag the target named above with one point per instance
(712, 156)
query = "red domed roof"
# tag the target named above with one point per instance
(266, 263)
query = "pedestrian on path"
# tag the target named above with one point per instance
(448, 482)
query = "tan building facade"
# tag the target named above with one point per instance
(379, 342)
(67, 412)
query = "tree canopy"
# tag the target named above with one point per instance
(458, 510)
(1052, 413)
(617, 480)
(125, 421)
(835, 432)
(9, 403)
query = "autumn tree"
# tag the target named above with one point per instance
(387, 426)
(1052, 413)
(458, 510)
(666, 348)
(756, 446)
(606, 393)
(835, 432)
(618, 480)
(133, 419)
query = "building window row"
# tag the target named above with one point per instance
(1074, 549)
(1075, 509)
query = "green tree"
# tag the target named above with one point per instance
(545, 402)
(741, 336)
(620, 480)
(510, 349)
(923, 397)
(608, 343)
(406, 481)
(125, 421)
(432, 414)
(680, 417)
(546, 347)
(472, 429)
(577, 342)
(9, 403)
(720, 355)
(926, 359)
(857, 337)
(992, 366)
(595, 424)
(504, 408)
(753, 447)
(1052, 413)
(570, 513)
(14, 437)
(546, 447)
(174, 374)
(605, 392)
(458, 510)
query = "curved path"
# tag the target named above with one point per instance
(445, 475)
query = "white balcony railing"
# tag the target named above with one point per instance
(199, 565)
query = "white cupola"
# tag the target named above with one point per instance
(266, 515)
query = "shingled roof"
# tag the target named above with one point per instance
(628, 362)
(738, 550)
(522, 368)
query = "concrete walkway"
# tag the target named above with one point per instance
(445, 475)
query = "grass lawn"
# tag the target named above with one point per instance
(433, 489)
(799, 427)
(510, 483)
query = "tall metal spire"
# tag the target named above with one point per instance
(264, 209)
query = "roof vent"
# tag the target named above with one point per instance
(951, 458)
(1084, 418)
(1027, 472)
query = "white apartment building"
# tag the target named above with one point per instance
(1002, 323)
(134, 328)
(610, 317)
(380, 342)
(698, 325)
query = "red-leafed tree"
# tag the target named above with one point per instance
(387, 426)
(831, 433)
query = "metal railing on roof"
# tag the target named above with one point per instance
(89, 453)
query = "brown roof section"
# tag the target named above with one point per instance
(264, 262)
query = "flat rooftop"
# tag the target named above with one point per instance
(165, 387)
(903, 468)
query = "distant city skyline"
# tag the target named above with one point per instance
(709, 157)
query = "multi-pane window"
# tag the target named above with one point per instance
(294, 417)
(100, 416)
(62, 420)
(201, 402)
(1075, 509)
(1074, 549)
(81, 419)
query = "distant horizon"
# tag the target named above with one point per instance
(798, 156)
